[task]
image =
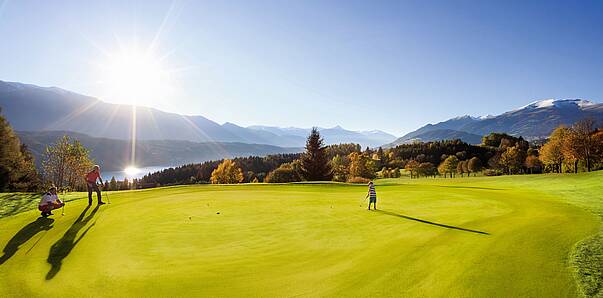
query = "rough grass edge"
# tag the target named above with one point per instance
(586, 260)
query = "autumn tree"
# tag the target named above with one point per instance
(459, 168)
(412, 167)
(512, 159)
(66, 162)
(598, 140)
(426, 169)
(474, 165)
(227, 173)
(283, 174)
(315, 164)
(532, 162)
(449, 165)
(361, 166)
(340, 168)
(582, 141)
(551, 153)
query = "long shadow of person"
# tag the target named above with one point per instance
(432, 223)
(61, 249)
(26, 233)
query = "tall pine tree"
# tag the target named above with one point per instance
(315, 162)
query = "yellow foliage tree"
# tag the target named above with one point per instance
(227, 173)
(551, 153)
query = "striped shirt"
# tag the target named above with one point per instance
(372, 192)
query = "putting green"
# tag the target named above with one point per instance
(504, 236)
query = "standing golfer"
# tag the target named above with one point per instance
(91, 183)
(372, 194)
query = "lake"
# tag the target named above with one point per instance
(131, 174)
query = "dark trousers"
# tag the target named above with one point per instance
(93, 187)
(374, 202)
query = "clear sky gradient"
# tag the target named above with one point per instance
(390, 65)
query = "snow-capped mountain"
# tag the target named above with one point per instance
(533, 121)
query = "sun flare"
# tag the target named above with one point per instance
(135, 77)
(131, 171)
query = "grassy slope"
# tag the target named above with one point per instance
(311, 240)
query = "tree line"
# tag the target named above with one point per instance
(568, 149)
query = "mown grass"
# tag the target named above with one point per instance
(14, 203)
(482, 237)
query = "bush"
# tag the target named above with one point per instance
(490, 172)
(360, 180)
(283, 174)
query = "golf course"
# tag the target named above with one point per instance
(511, 236)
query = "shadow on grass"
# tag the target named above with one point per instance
(26, 233)
(431, 222)
(469, 187)
(12, 204)
(62, 248)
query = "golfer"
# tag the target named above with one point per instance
(92, 186)
(372, 194)
(50, 201)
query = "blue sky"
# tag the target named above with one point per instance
(390, 65)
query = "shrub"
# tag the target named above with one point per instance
(358, 180)
(283, 174)
(490, 172)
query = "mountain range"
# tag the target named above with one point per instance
(533, 121)
(114, 154)
(33, 108)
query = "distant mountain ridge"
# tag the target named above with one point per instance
(533, 121)
(114, 154)
(33, 108)
(334, 135)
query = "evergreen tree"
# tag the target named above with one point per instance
(17, 170)
(125, 185)
(113, 184)
(315, 164)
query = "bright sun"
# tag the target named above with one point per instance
(134, 77)
(131, 171)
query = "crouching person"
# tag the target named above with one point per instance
(49, 202)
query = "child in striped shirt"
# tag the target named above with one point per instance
(372, 194)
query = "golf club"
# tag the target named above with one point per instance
(63, 210)
(108, 200)
(362, 201)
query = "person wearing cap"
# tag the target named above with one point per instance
(50, 201)
(92, 186)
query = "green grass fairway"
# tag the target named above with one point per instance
(464, 237)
